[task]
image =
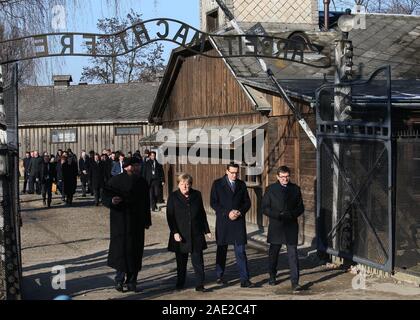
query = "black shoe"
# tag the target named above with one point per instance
(83, 195)
(200, 288)
(221, 281)
(272, 281)
(296, 287)
(44, 202)
(132, 287)
(119, 287)
(247, 284)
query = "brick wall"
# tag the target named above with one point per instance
(269, 11)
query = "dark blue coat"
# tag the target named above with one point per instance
(223, 200)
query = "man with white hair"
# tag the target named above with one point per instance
(84, 171)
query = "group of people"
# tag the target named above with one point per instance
(93, 169)
(188, 225)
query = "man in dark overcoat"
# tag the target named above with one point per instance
(84, 163)
(229, 198)
(283, 204)
(26, 162)
(34, 169)
(69, 171)
(127, 196)
(155, 177)
(97, 175)
(48, 177)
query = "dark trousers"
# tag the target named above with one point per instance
(154, 190)
(198, 265)
(241, 261)
(69, 199)
(34, 185)
(126, 277)
(46, 191)
(84, 181)
(292, 255)
(25, 182)
(60, 186)
(98, 194)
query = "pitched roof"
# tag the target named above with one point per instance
(114, 103)
(387, 40)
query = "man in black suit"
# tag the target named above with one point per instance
(229, 198)
(26, 162)
(283, 204)
(48, 177)
(153, 173)
(34, 170)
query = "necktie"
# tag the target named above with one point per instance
(232, 185)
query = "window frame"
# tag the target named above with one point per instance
(56, 131)
(140, 130)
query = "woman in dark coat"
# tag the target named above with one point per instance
(188, 224)
(127, 196)
(69, 171)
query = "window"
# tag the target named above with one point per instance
(123, 131)
(212, 21)
(64, 136)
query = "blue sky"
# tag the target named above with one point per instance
(84, 17)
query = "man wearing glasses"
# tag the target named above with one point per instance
(229, 198)
(283, 204)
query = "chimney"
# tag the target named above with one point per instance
(62, 80)
(327, 15)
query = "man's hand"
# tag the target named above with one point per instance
(209, 235)
(84, 172)
(147, 226)
(116, 200)
(177, 237)
(233, 215)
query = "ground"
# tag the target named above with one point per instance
(77, 238)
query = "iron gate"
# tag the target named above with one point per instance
(10, 259)
(407, 233)
(354, 169)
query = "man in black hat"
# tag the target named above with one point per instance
(127, 196)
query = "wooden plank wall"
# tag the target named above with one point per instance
(288, 145)
(89, 137)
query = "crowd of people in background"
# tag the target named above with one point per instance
(48, 174)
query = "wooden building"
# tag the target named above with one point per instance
(84, 117)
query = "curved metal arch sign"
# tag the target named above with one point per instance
(160, 29)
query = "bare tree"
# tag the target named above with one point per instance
(140, 65)
(28, 17)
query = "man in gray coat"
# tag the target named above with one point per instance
(283, 204)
